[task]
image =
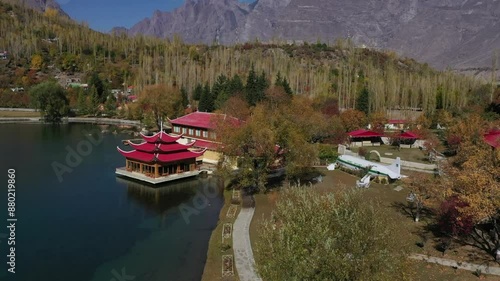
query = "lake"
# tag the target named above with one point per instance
(77, 221)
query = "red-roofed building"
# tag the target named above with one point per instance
(365, 138)
(160, 158)
(200, 126)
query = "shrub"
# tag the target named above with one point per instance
(313, 236)
(451, 221)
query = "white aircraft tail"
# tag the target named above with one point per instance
(395, 166)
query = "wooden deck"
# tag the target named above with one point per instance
(138, 176)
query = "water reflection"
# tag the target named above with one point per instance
(160, 199)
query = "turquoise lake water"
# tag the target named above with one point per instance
(86, 224)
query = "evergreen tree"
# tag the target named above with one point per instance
(184, 95)
(220, 86)
(235, 85)
(251, 87)
(206, 100)
(110, 106)
(363, 101)
(198, 90)
(286, 87)
(94, 101)
(283, 82)
(96, 82)
(82, 104)
(279, 80)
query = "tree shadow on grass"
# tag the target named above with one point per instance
(405, 209)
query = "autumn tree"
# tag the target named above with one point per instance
(472, 179)
(314, 236)
(353, 119)
(378, 120)
(161, 101)
(276, 135)
(36, 62)
(237, 107)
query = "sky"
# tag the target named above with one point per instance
(103, 15)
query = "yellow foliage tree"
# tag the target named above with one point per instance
(36, 62)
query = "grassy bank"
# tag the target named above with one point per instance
(217, 248)
(5, 113)
(409, 231)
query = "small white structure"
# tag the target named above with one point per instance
(364, 182)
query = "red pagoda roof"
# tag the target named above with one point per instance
(138, 155)
(408, 135)
(158, 157)
(162, 147)
(161, 137)
(204, 120)
(172, 157)
(493, 138)
(364, 134)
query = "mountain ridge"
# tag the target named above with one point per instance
(443, 33)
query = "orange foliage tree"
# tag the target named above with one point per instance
(472, 178)
(353, 119)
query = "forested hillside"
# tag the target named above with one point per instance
(42, 46)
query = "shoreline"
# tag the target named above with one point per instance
(216, 245)
(69, 120)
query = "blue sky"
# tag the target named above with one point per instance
(103, 15)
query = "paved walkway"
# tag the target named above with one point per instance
(243, 254)
(461, 265)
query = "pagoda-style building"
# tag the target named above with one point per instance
(160, 158)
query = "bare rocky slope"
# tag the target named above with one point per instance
(39, 5)
(461, 34)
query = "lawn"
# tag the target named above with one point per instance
(389, 151)
(411, 232)
(7, 113)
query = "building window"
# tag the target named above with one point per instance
(177, 129)
(213, 135)
(205, 134)
(184, 130)
(198, 133)
(191, 132)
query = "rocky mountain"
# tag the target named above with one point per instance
(39, 5)
(457, 33)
